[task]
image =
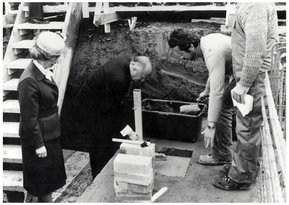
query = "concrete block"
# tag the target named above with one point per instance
(138, 150)
(142, 179)
(133, 164)
(120, 186)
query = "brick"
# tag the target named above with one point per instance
(141, 179)
(132, 194)
(133, 198)
(120, 186)
(138, 150)
(133, 164)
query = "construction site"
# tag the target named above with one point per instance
(161, 166)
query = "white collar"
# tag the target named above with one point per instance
(48, 74)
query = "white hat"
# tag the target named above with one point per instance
(50, 42)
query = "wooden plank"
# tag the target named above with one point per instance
(49, 9)
(277, 132)
(53, 25)
(108, 18)
(13, 181)
(11, 106)
(106, 11)
(10, 129)
(12, 154)
(85, 10)
(11, 85)
(24, 44)
(70, 29)
(217, 21)
(270, 161)
(19, 64)
(267, 194)
(73, 166)
(97, 13)
(138, 113)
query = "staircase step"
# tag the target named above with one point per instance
(20, 63)
(13, 181)
(50, 9)
(11, 85)
(12, 154)
(24, 44)
(11, 106)
(54, 25)
(10, 129)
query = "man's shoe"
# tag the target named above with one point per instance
(211, 161)
(226, 183)
(225, 170)
(38, 21)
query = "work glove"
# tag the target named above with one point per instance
(209, 134)
(133, 135)
(41, 152)
(203, 95)
(238, 93)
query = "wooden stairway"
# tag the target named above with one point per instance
(16, 59)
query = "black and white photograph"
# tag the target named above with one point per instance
(144, 102)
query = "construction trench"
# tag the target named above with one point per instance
(173, 79)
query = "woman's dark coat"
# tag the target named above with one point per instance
(40, 126)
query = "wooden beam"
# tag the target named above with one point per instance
(106, 11)
(108, 18)
(51, 9)
(85, 10)
(278, 135)
(70, 29)
(269, 159)
(97, 13)
(138, 112)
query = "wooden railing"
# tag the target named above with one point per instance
(273, 164)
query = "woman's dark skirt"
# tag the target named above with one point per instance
(43, 175)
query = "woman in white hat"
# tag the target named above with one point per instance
(43, 164)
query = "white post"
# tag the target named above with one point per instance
(138, 112)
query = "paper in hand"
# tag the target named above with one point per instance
(245, 108)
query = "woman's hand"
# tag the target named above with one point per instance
(41, 152)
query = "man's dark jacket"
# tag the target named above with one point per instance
(101, 96)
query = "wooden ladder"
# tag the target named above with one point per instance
(16, 59)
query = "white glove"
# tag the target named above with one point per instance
(41, 152)
(133, 135)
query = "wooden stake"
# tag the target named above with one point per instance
(138, 112)
(85, 10)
